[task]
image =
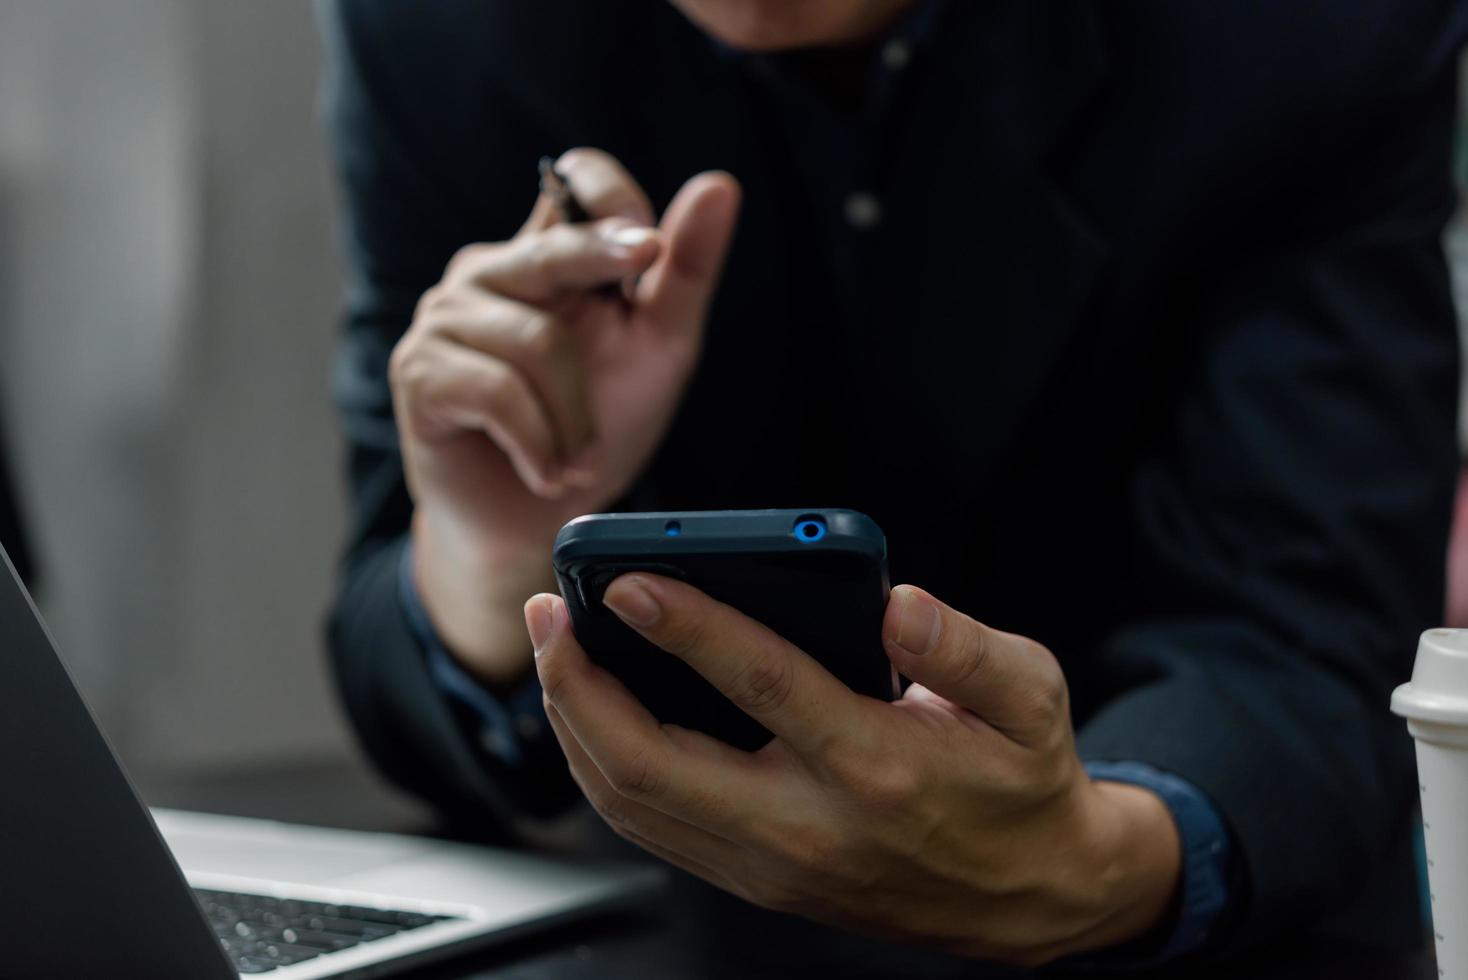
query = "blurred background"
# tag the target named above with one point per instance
(168, 295)
(168, 292)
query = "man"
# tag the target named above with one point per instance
(1127, 322)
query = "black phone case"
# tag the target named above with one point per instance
(827, 595)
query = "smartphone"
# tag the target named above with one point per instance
(816, 577)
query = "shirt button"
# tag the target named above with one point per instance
(896, 55)
(863, 210)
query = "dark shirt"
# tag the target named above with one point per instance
(1128, 323)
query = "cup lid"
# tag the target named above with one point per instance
(1439, 687)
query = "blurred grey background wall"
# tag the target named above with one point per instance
(168, 286)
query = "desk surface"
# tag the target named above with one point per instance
(691, 930)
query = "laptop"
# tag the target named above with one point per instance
(93, 883)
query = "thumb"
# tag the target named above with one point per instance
(696, 228)
(1009, 681)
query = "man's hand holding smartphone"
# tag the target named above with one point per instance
(525, 396)
(957, 817)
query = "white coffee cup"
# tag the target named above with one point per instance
(1435, 705)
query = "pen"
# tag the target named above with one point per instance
(555, 186)
(558, 189)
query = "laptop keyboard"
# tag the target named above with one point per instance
(261, 933)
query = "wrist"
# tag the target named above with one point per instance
(1138, 869)
(475, 599)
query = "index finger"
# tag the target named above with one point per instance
(600, 184)
(559, 261)
(766, 676)
(603, 186)
(682, 773)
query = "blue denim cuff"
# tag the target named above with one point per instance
(1205, 879)
(503, 726)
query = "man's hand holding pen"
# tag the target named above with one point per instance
(526, 394)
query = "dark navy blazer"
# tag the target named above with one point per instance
(1128, 322)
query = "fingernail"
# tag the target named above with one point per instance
(540, 621)
(629, 598)
(918, 622)
(629, 238)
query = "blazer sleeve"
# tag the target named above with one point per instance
(1291, 519)
(412, 195)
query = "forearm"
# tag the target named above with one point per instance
(475, 599)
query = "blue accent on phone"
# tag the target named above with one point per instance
(809, 528)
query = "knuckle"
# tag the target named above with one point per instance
(638, 778)
(432, 298)
(888, 785)
(1047, 697)
(465, 258)
(840, 754)
(406, 370)
(816, 855)
(682, 635)
(552, 680)
(543, 254)
(397, 363)
(497, 392)
(541, 337)
(856, 771)
(538, 256)
(971, 656)
(1054, 692)
(1061, 769)
(764, 683)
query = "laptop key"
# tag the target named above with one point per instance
(287, 953)
(292, 937)
(261, 933)
(364, 930)
(316, 937)
(249, 964)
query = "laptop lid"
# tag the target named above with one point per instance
(87, 886)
